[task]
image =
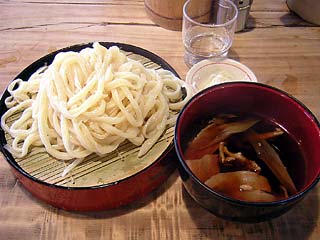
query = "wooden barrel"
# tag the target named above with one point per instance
(169, 13)
(165, 13)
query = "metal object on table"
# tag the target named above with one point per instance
(244, 7)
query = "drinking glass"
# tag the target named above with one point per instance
(208, 29)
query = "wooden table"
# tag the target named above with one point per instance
(282, 50)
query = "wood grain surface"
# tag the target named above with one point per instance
(280, 48)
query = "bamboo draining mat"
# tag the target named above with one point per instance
(94, 170)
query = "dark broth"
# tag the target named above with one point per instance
(285, 145)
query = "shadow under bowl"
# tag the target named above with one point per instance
(268, 103)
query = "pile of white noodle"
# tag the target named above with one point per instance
(90, 102)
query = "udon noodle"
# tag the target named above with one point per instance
(90, 102)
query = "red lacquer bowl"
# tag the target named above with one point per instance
(267, 102)
(41, 175)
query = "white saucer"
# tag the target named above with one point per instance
(210, 72)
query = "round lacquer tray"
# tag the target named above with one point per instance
(98, 182)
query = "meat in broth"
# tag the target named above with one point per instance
(236, 157)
